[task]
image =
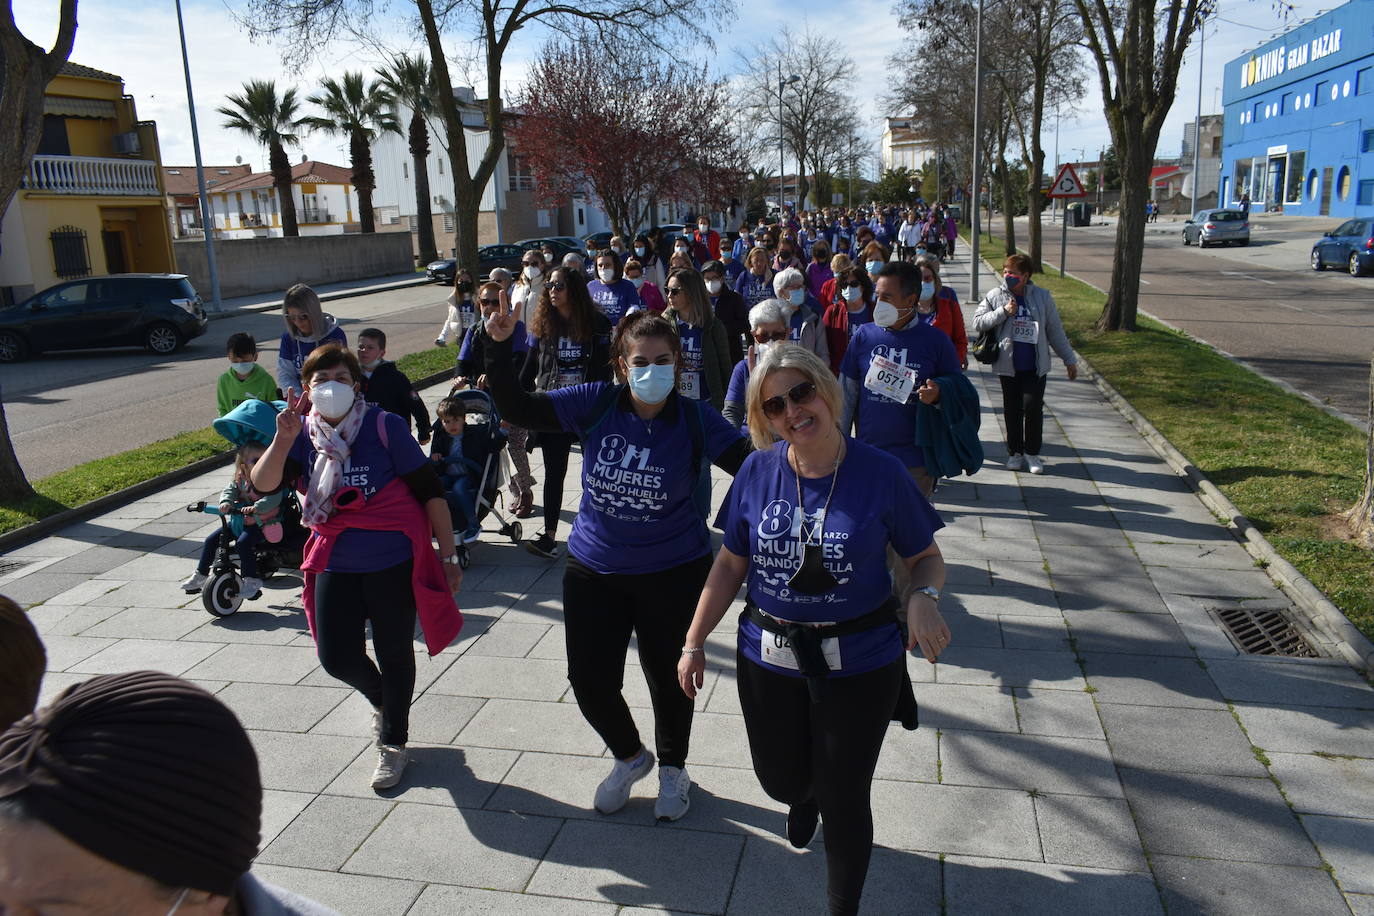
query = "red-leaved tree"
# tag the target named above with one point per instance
(655, 132)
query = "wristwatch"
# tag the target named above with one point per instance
(452, 560)
(928, 590)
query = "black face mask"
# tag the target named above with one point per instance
(811, 577)
(465, 286)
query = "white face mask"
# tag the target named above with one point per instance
(927, 290)
(332, 399)
(885, 314)
(762, 348)
(548, 257)
(242, 370)
(639, 251)
(532, 272)
(606, 274)
(852, 293)
(680, 249)
(703, 227)
(637, 281)
(371, 365)
(713, 287)
(618, 249)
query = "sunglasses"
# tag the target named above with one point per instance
(673, 290)
(800, 394)
(557, 285)
(765, 337)
(490, 301)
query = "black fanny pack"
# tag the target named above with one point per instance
(805, 642)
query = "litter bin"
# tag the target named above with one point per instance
(1085, 214)
(1071, 217)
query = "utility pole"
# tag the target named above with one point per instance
(782, 83)
(1197, 123)
(208, 227)
(977, 144)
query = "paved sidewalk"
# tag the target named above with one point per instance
(1092, 743)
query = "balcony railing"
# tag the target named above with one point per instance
(92, 175)
(311, 215)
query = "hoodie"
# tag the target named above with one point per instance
(294, 347)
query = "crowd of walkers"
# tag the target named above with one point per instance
(817, 359)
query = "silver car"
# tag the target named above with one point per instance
(1216, 227)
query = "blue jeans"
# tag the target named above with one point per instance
(462, 502)
(248, 564)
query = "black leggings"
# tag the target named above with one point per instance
(555, 447)
(344, 602)
(1023, 410)
(600, 612)
(824, 751)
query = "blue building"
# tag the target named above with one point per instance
(1300, 118)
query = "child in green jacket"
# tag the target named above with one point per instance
(245, 378)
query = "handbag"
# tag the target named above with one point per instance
(985, 347)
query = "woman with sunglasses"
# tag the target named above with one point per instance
(569, 341)
(639, 550)
(529, 286)
(705, 372)
(767, 328)
(853, 307)
(372, 503)
(611, 292)
(821, 667)
(462, 311)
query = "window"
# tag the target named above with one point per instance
(521, 179)
(1258, 112)
(542, 218)
(1364, 81)
(1323, 92)
(1367, 142)
(53, 141)
(1293, 189)
(1343, 183)
(1365, 195)
(1287, 104)
(414, 223)
(71, 255)
(1216, 147)
(448, 222)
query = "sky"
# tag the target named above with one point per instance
(137, 39)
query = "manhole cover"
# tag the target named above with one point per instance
(1264, 632)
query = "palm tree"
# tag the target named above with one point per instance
(410, 82)
(272, 122)
(359, 112)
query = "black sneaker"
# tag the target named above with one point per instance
(544, 546)
(801, 823)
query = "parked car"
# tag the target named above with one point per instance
(598, 241)
(1217, 227)
(157, 311)
(560, 244)
(489, 257)
(1349, 245)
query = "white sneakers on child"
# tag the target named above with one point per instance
(194, 582)
(1034, 464)
(1016, 462)
(614, 790)
(391, 763)
(252, 588)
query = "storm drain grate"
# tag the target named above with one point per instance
(1264, 632)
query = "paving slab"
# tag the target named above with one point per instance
(527, 725)
(303, 763)
(1043, 633)
(168, 656)
(327, 832)
(1128, 632)
(1178, 740)
(1076, 766)
(436, 775)
(956, 820)
(1348, 844)
(1061, 713)
(1089, 832)
(996, 887)
(279, 707)
(1295, 682)
(445, 900)
(898, 881)
(1099, 593)
(1110, 562)
(1149, 680)
(958, 706)
(1309, 729)
(1200, 885)
(1008, 668)
(1338, 786)
(350, 895)
(505, 678)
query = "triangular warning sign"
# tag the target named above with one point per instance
(1066, 183)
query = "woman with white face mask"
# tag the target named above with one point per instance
(529, 284)
(649, 294)
(611, 292)
(655, 267)
(804, 317)
(372, 504)
(639, 549)
(852, 308)
(939, 306)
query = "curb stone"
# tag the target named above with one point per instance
(420, 280)
(27, 534)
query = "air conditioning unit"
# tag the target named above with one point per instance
(127, 142)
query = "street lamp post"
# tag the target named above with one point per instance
(977, 142)
(208, 227)
(782, 83)
(1197, 124)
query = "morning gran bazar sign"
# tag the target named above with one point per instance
(1280, 60)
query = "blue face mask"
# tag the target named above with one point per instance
(797, 296)
(651, 384)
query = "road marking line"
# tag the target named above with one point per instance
(1237, 273)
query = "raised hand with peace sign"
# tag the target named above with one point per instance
(501, 325)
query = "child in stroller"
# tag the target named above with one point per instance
(265, 532)
(467, 446)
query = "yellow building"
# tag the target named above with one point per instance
(92, 201)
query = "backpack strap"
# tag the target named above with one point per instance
(381, 429)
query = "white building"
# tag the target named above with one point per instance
(326, 203)
(901, 149)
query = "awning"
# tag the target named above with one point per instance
(78, 108)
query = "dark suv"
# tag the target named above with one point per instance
(157, 311)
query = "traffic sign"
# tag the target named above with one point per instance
(1066, 183)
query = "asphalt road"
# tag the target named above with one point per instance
(66, 408)
(1261, 303)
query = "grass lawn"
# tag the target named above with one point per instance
(85, 482)
(1288, 466)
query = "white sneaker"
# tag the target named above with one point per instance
(391, 763)
(614, 790)
(1016, 462)
(252, 588)
(376, 727)
(194, 582)
(1034, 464)
(673, 786)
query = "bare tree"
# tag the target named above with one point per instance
(25, 71)
(309, 24)
(816, 114)
(1138, 47)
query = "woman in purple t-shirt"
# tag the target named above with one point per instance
(639, 550)
(820, 662)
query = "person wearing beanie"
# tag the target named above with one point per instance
(135, 794)
(22, 662)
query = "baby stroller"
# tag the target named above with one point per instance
(251, 421)
(484, 422)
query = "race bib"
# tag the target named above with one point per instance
(890, 380)
(689, 385)
(467, 319)
(1025, 330)
(566, 378)
(775, 650)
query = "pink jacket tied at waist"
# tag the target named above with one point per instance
(392, 508)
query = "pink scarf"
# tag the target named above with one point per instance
(332, 444)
